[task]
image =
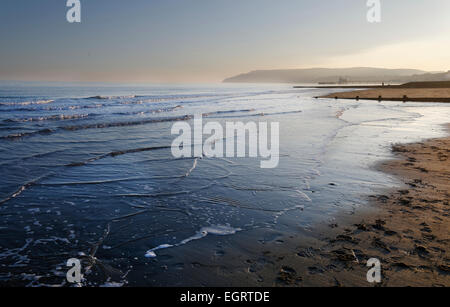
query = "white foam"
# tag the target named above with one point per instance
(304, 196)
(220, 230)
(151, 253)
(216, 230)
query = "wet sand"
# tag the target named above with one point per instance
(407, 229)
(411, 232)
(396, 94)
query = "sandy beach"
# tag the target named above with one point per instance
(406, 228)
(408, 231)
(397, 94)
(411, 233)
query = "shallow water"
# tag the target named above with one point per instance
(89, 171)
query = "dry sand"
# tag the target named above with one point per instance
(397, 94)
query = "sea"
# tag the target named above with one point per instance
(87, 172)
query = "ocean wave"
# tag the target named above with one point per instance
(141, 122)
(26, 103)
(99, 97)
(261, 114)
(96, 126)
(150, 97)
(156, 111)
(57, 108)
(118, 153)
(128, 123)
(48, 118)
(20, 135)
(94, 182)
(233, 111)
(24, 187)
(167, 194)
(140, 99)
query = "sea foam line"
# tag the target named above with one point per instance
(205, 231)
(24, 187)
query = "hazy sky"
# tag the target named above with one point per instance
(209, 40)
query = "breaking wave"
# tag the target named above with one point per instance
(49, 118)
(26, 103)
(96, 126)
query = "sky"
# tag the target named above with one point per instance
(209, 40)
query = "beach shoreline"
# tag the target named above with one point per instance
(408, 231)
(280, 236)
(410, 234)
(406, 228)
(395, 94)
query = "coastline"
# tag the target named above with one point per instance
(406, 228)
(305, 248)
(409, 232)
(396, 94)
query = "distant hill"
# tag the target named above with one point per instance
(337, 75)
(445, 76)
(426, 84)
